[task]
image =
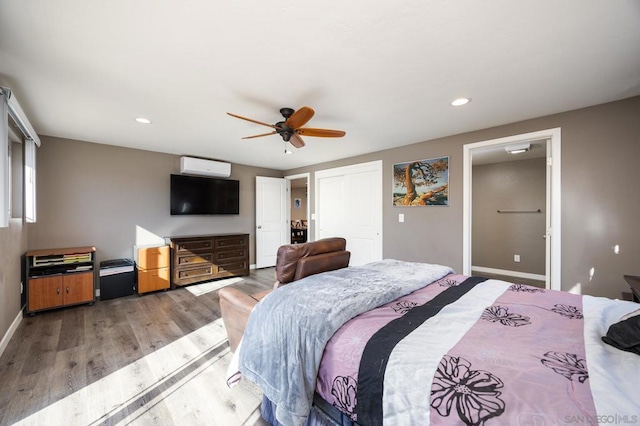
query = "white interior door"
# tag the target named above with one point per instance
(272, 219)
(349, 205)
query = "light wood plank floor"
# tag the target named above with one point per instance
(157, 359)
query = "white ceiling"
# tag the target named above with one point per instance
(383, 71)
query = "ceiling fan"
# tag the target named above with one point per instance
(291, 128)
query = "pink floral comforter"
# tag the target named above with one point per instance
(467, 351)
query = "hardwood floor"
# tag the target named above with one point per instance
(156, 359)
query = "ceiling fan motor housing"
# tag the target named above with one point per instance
(283, 130)
(287, 112)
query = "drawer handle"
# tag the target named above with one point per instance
(58, 290)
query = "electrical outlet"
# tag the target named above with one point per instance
(516, 258)
(400, 217)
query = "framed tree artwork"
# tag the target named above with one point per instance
(421, 182)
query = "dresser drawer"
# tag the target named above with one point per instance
(238, 267)
(194, 245)
(197, 273)
(190, 259)
(230, 241)
(231, 253)
(153, 257)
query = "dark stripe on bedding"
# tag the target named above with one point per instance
(378, 350)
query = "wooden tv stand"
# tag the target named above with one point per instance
(199, 258)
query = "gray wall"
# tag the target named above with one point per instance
(515, 185)
(13, 244)
(98, 194)
(600, 203)
(110, 197)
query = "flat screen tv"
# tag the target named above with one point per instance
(194, 195)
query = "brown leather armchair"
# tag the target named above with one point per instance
(294, 261)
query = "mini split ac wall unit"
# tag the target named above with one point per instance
(199, 166)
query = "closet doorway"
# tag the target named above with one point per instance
(539, 212)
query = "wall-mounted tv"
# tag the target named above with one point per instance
(194, 195)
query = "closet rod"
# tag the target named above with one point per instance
(520, 211)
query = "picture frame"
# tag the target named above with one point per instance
(297, 203)
(421, 183)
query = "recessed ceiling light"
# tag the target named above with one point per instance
(143, 120)
(461, 101)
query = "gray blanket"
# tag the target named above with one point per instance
(288, 330)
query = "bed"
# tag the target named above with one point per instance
(404, 343)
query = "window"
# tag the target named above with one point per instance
(30, 181)
(5, 163)
(14, 122)
(16, 179)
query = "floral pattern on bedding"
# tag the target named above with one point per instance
(515, 351)
(567, 365)
(344, 392)
(473, 394)
(502, 315)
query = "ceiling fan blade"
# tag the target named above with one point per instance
(254, 121)
(300, 117)
(259, 136)
(296, 141)
(322, 133)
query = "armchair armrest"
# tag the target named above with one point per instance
(235, 307)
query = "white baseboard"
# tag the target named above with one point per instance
(9, 334)
(516, 274)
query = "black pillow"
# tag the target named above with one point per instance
(625, 335)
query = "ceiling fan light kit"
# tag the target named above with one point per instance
(291, 128)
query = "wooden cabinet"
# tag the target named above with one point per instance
(153, 269)
(44, 292)
(59, 277)
(207, 257)
(77, 288)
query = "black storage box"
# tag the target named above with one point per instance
(116, 278)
